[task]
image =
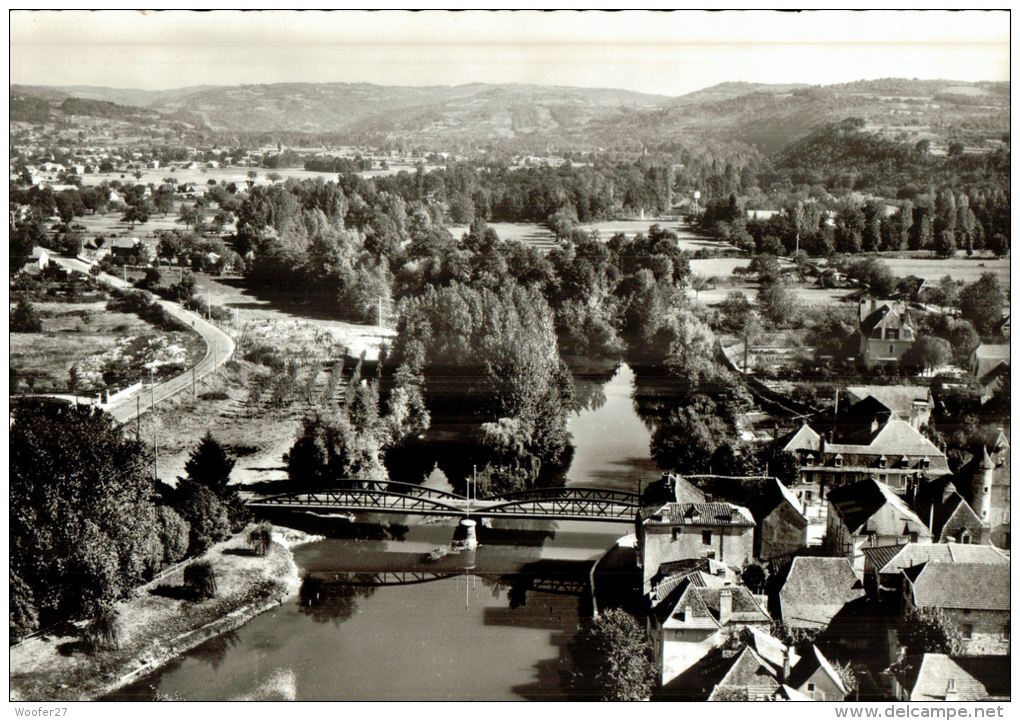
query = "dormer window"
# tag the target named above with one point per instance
(925, 463)
(882, 462)
(904, 462)
(838, 460)
(809, 459)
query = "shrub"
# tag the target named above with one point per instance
(174, 534)
(104, 632)
(205, 514)
(25, 318)
(260, 538)
(200, 580)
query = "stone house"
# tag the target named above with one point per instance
(974, 595)
(815, 590)
(884, 565)
(940, 677)
(676, 531)
(693, 619)
(869, 513)
(885, 331)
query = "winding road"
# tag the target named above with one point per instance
(219, 347)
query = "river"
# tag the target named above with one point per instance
(375, 620)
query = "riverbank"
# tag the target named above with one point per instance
(157, 625)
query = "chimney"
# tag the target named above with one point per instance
(725, 605)
(951, 693)
(687, 614)
(786, 665)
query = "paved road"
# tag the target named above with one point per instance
(219, 347)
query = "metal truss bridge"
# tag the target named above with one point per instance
(557, 504)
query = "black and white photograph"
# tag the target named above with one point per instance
(492, 355)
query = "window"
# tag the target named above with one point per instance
(676, 533)
(925, 463)
(837, 461)
(883, 462)
(810, 687)
(706, 538)
(968, 631)
(892, 349)
(807, 495)
(913, 536)
(1005, 632)
(965, 537)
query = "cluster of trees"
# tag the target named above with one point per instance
(487, 361)
(88, 520)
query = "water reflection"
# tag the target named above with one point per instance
(336, 600)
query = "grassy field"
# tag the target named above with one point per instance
(279, 324)
(959, 268)
(239, 175)
(157, 624)
(94, 339)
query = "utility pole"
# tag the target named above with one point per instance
(194, 389)
(138, 415)
(155, 453)
(208, 305)
(152, 392)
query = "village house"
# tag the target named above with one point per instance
(885, 331)
(912, 404)
(815, 590)
(693, 619)
(884, 565)
(950, 517)
(38, 260)
(975, 596)
(892, 452)
(676, 531)
(781, 527)
(869, 513)
(757, 667)
(986, 357)
(940, 677)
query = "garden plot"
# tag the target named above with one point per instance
(106, 348)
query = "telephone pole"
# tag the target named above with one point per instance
(138, 415)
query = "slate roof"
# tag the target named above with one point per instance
(699, 514)
(858, 502)
(975, 678)
(973, 586)
(811, 662)
(915, 554)
(863, 447)
(704, 606)
(816, 589)
(749, 678)
(898, 399)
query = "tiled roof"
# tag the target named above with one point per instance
(896, 439)
(816, 589)
(974, 678)
(699, 514)
(974, 586)
(704, 606)
(915, 554)
(877, 556)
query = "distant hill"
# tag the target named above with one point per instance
(536, 118)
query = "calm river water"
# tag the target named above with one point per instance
(376, 621)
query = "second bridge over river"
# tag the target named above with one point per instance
(364, 496)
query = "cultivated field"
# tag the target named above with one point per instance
(960, 268)
(239, 175)
(96, 341)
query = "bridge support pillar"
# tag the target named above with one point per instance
(465, 536)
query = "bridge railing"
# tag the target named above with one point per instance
(361, 499)
(579, 493)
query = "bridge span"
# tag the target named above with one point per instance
(560, 504)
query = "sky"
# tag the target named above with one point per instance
(661, 53)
